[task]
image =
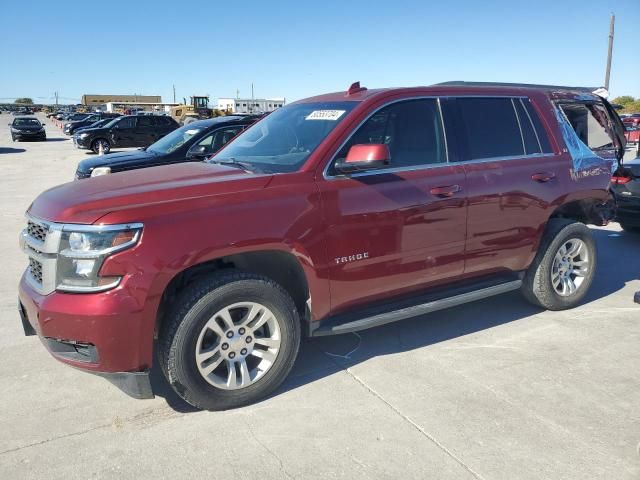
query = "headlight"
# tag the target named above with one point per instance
(83, 252)
(96, 172)
(84, 135)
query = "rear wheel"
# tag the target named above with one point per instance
(230, 340)
(564, 267)
(106, 146)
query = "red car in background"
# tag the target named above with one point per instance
(632, 120)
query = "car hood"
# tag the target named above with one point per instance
(86, 201)
(114, 160)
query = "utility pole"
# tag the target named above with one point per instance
(609, 54)
(174, 93)
(56, 95)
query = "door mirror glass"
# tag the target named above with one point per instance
(364, 157)
(198, 151)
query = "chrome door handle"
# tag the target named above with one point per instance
(543, 177)
(445, 191)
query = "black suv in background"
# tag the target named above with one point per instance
(71, 127)
(192, 143)
(127, 131)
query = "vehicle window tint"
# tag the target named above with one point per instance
(412, 130)
(163, 121)
(537, 124)
(491, 127)
(223, 136)
(128, 122)
(145, 122)
(590, 124)
(529, 137)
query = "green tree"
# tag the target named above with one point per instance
(24, 100)
(624, 100)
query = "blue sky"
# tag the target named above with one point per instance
(301, 48)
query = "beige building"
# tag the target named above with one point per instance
(104, 99)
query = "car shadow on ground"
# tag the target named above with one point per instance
(11, 150)
(57, 139)
(321, 357)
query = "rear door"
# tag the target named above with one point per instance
(512, 178)
(399, 229)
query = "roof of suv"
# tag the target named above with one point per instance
(455, 88)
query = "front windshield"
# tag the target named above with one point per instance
(283, 140)
(26, 122)
(174, 140)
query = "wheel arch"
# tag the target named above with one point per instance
(283, 267)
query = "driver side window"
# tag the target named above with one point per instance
(411, 129)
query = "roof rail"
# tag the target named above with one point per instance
(460, 83)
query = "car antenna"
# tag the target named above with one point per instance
(355, 88)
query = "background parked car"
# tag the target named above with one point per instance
(626, 189)
(27, 128)
(71, 127)
(191, 143)
(98, 124)
(632, 120)
(127, 131)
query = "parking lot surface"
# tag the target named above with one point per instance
(496, 389)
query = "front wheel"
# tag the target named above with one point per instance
(563, 268)
(229, 340)
(106, 146)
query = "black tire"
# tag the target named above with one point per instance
(537, 286)
(193, 308)
(106, 146)
(629, 228)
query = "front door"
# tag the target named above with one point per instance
(399, 229)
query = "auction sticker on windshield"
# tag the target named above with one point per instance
(332, 115)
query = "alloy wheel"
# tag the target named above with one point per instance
(238, 345)
(570, 267)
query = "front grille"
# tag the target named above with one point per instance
(35, 268)
(37, 231)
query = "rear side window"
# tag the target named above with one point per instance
(539, 128)
(529, 135)
(145, 122)
(411, 129)
(491, 128)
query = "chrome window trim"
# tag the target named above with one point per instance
(524, 107)
(325, 171)
(442, 165)
(515, 112)
(448, 163)
(444, 131)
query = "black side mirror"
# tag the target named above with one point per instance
(199, 151)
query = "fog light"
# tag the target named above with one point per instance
(84, 268)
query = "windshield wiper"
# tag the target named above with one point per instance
(232, 162)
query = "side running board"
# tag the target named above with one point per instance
(416, 310)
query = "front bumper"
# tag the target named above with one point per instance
(100, 333)
(81, 142)
(30, 136)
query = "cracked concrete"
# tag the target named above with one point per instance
(492, 390)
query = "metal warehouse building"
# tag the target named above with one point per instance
(104, 99)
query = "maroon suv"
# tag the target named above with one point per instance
(333, 214)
